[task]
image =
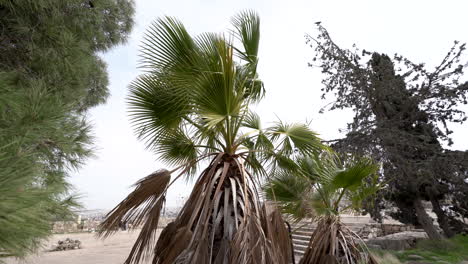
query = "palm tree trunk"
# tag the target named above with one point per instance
(425, 220)
(333, 243)
(223, 222)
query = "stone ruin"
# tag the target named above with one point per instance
(373, 230)
(67, 244)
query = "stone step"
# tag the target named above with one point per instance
(300, 247)
(300, 242)
(294, 228)
(298, 254)
(303, 233)
(313, 226)
(300, 237)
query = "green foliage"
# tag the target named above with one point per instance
(402, 115)
(194, 98)
(294, 194)
(321, 187)
(453, 250)
(26, 205)
(353, 176)
(323, 184)
(50, 75)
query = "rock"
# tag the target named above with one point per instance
(443, 262)
(397, 241)
(415, 257)
(390, 244)
(66, 244)
(373, 246)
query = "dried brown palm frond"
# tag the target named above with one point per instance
(144, 204)
(332, 242)
(276, 231)
(223, 222)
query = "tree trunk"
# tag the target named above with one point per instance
(425, 220)
(223, 222)
(442, 219)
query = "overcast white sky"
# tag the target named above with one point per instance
(421, 30)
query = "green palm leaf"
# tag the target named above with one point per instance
(167, 47)
(331, 181)
(352, 177)
(296, 137)
(155, 107)
(247, 25)
(293, 194)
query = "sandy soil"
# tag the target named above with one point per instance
(113, 250)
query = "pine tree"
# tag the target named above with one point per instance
(50, 76)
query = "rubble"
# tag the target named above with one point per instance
(67, 244)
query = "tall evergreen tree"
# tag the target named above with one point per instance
(402, 112)
(50, 76)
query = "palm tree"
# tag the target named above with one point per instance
(191, 106)
(321, 188)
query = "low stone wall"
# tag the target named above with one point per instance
(373, 230)
(90, 225)
(389, 229)
(65, 227)
(86, 225)
(397, 241)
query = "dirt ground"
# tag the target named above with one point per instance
(113, 250)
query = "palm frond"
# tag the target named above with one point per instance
(248, 83)
(252, 120)
(213, 91)
(139, 205)
(252, 162)
(353, 175)
(178, 148)
(277, 233)
(292, 193)
(143, 249)
(222, 222)
(320, 168)
(167, 47)
(156, 107)
(278, 161)
(296, 137)
(247, 29)
(328, 179)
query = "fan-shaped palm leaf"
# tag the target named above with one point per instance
(317, 189)
(192, 103)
